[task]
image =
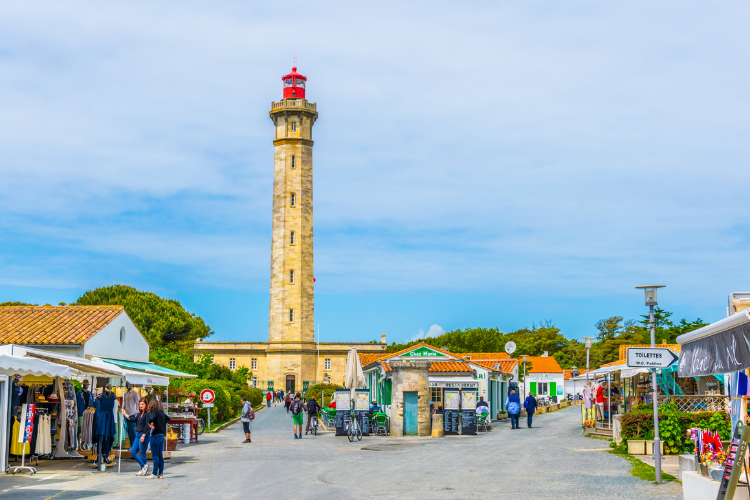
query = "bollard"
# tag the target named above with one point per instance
(437, 425)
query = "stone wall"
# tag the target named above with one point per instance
(410, 376)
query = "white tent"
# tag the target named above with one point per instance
(355, 378)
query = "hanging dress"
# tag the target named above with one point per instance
(105, 423)
(17, 448)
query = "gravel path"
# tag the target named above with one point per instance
(551, 461)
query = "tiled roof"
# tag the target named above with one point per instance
(416, 346)
(474, 356)
(568, 374)
(675, 348)
(369, 357)
(543, 364)
(503, 365)
(42, 325)
(612, 363)
(439, 367)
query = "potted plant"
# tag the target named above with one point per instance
(501, 415)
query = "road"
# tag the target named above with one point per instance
(551, 461)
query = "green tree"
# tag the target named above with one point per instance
(164, 322)
(16, 304)
(665, 329)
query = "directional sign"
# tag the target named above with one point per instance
(650, 357)
(207, 396)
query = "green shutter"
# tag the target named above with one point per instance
(553, 389)
(387, 392)
(532, 388)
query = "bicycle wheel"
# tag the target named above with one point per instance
(315, 428)
(359, 434)
(350, 434)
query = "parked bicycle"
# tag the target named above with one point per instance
(353, 428)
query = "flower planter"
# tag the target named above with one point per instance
(650, 447)
(636, 446)
(554, 407)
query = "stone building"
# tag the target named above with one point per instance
(291, 359)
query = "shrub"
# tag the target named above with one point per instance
(255, 396)
(322, 390)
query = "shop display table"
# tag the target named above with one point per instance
(187, 420)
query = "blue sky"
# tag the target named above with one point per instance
(475, 165)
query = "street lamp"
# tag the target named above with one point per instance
(588, 349)
(651, 301)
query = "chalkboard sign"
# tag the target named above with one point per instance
(340, 415)
(468, 422)
(450, 422)
(363, 418)
(734, 462)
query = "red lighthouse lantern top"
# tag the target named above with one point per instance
(294, 85)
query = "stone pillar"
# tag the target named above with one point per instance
(410, 376)
(437, 426)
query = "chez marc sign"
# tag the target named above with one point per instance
(650, 357)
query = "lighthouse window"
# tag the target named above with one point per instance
(293, 199)
(294, 129)
(291, 315)
(293, 163)
(291, 238)
(291, 276)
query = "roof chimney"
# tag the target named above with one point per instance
(382, 338)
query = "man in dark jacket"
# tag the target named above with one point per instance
(530, 405)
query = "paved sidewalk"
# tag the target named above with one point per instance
(553, 461)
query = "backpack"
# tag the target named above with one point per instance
(312, 406)
(297, 407)
(251, 413)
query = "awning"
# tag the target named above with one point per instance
(11, 365)
(464, 382)
(721, 347)
(148, 367)
(632, 372)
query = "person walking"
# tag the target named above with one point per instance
(268, 399)
(139, 447)
(530, 405)
(312, 411)
(513, 405)
(158, 422)
(287, 402)
(297, 407)
(248, 415)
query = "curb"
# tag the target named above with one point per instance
(231, 422)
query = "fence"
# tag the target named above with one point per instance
(698, 403)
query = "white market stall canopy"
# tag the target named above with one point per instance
(721, 347)
(11, 365)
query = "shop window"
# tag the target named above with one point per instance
(291, 276)
(542, 389)
(253, 364)
(436, 396)
(327, 364)
(232, 363)
(291, 315)
(293, 199)
(291, 238)
(293, 162)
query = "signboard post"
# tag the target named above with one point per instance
(24, 435)
(362, 409)
(650, 357)
(343, 407)
(207, 397)
(450, 418)
(469, 412)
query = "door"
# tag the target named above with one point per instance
(290, 383)
(410, 413)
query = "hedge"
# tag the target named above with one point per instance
(326, 389)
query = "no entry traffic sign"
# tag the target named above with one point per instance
(207, 396)
(650, 357)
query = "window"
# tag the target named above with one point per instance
(291, 276)
(293, 198)
(294, 128)
(436, 396)
(291, 315)
(293, 161)
(291, 238)
(327, 364)
(542, 389)
(253, 364)
(255, 382)
(122, 335)
(232, 363)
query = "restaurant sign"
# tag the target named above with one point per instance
(423, 352)
(456, 385)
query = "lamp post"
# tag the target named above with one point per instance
(588, 349)
(651, 302)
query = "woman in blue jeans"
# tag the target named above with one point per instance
(158, 423)
(139, 446)
(513, 405)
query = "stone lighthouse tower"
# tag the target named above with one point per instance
(291, 319)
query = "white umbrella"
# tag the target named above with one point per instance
(355, 378)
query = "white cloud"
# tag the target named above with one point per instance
(434, 331)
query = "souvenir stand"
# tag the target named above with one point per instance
(184, 412)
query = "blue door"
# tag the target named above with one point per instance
(410, 413)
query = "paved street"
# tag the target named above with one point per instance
(551, 461)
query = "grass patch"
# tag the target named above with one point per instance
(641, 470)
(591, 436)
